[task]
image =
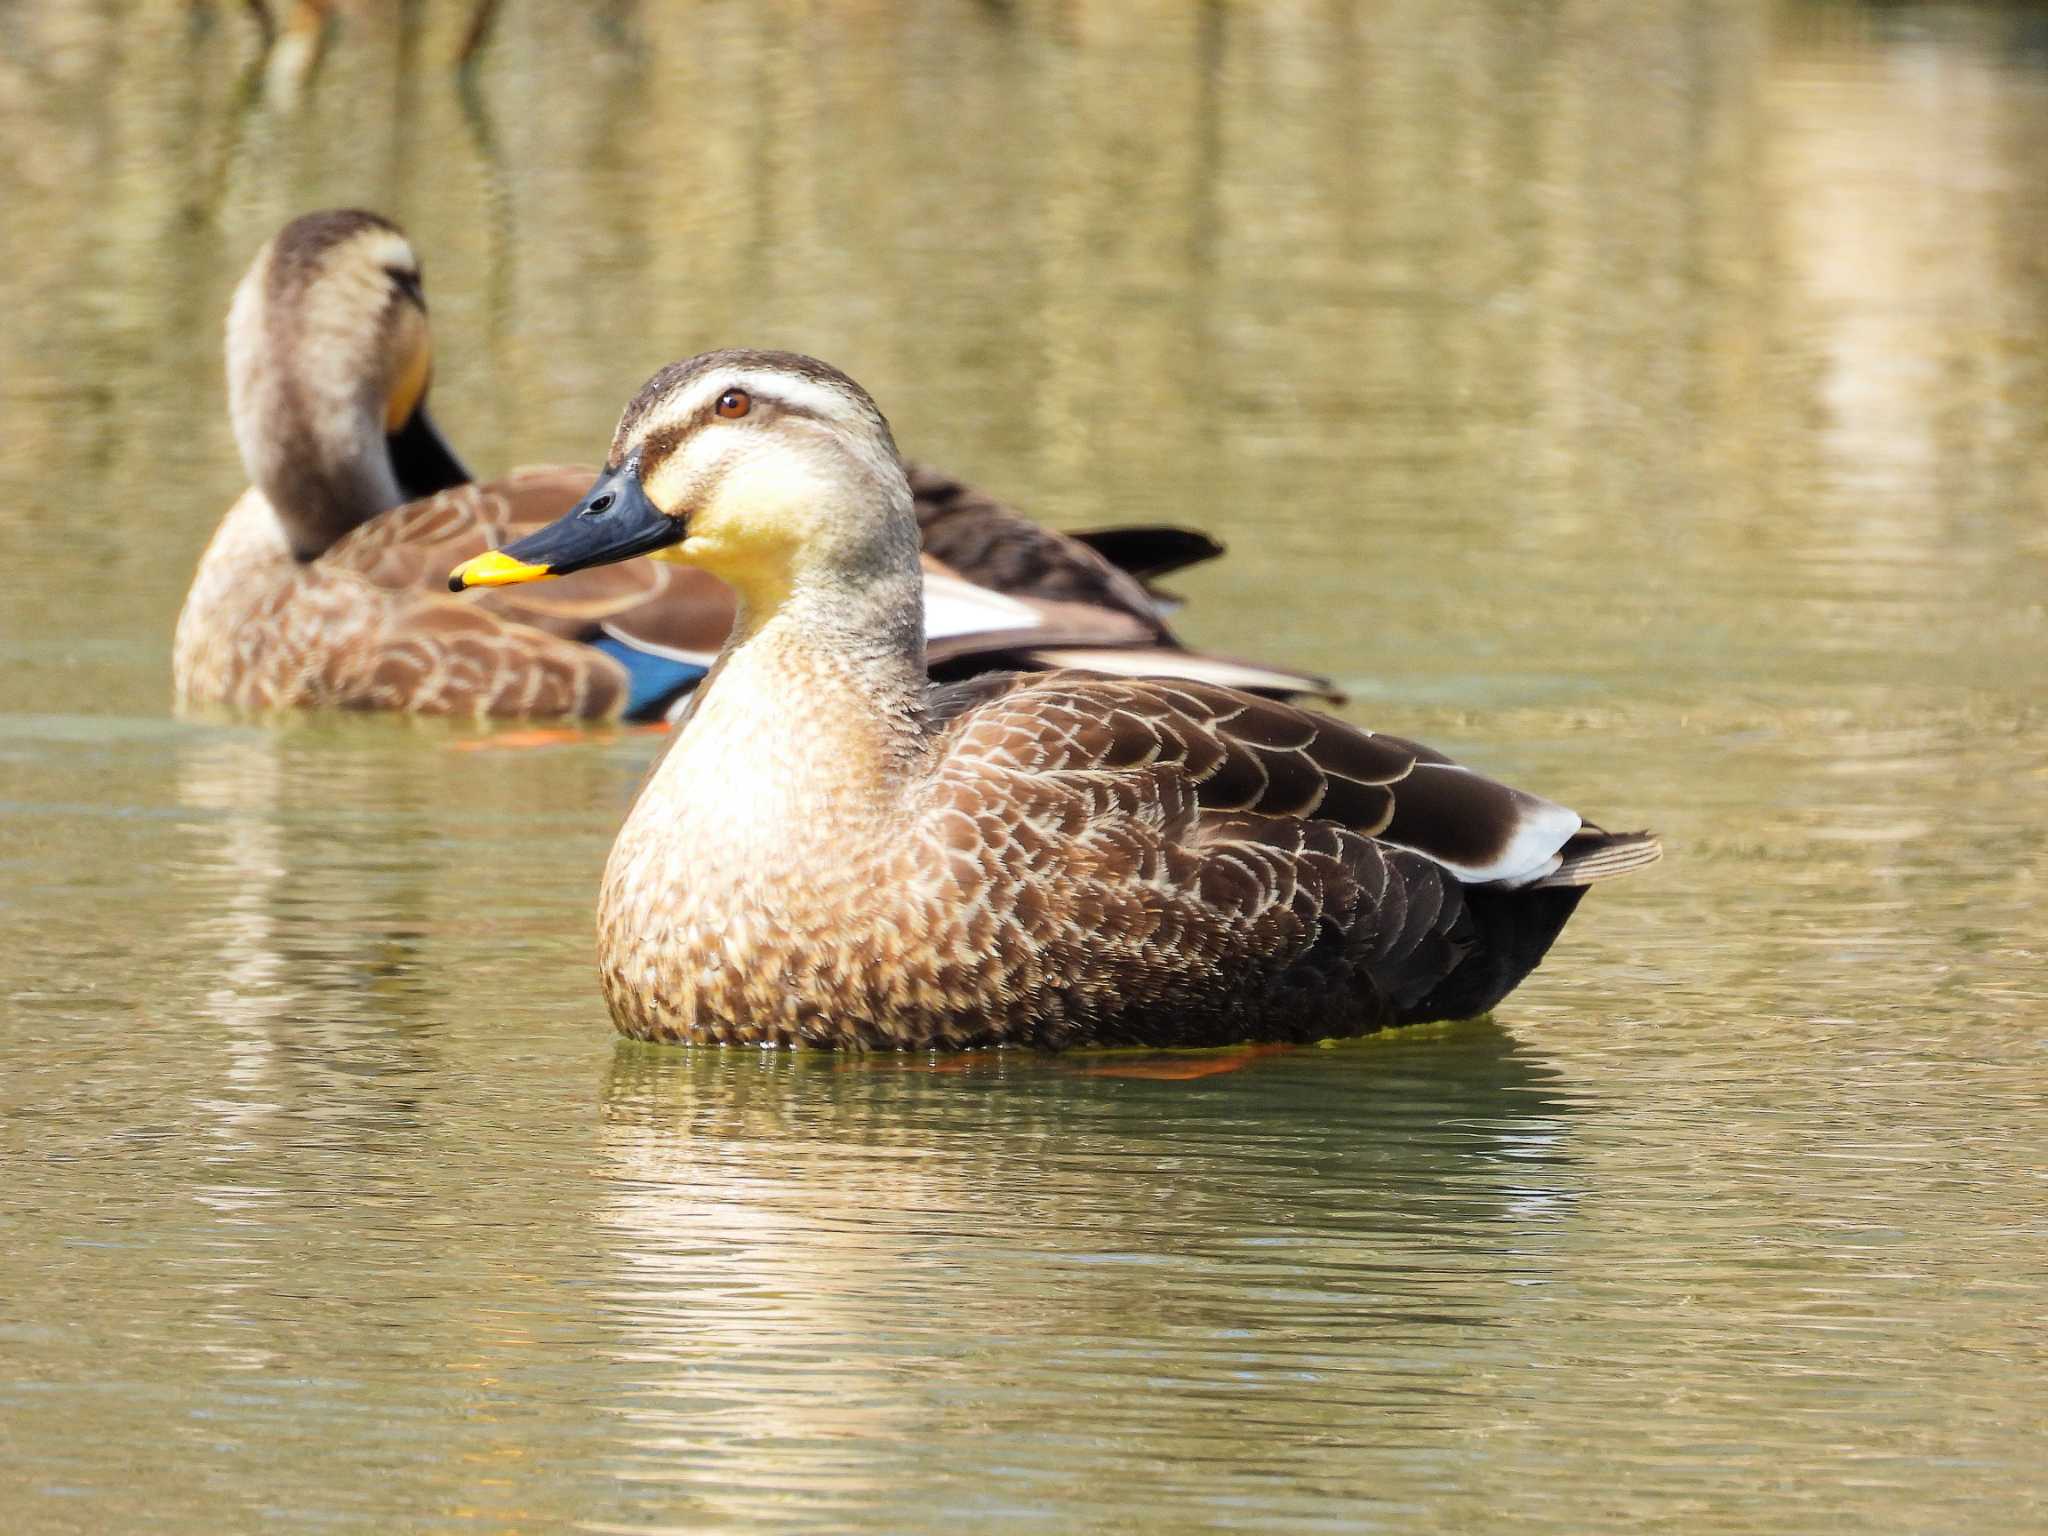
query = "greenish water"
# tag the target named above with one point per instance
(1648, 403)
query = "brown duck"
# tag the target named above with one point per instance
(324, 585)
(834, 851)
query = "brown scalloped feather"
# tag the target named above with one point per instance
(1242, 756)
(412, 548)
(1252, 869)
(363, 626)
(438, 658)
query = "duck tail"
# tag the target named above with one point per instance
(1149, 550)
(1511, 930)
(1513, 926)
(1591, 855)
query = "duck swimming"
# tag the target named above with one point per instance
(323, 586)
(834, 851)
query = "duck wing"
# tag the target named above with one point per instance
(992, 545)
(989, 542)
(1220, 845)
(437, 654)
(1235, 754)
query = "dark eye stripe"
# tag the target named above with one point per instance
(407, 282)
(660, 443)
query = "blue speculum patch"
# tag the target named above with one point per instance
(655, 681)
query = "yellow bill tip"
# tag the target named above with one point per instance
(495, 568)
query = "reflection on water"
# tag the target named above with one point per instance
(1647, 405)
(842, 1270)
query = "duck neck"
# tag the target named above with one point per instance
(319, 502)
(323, 465)
(868, 632)
(809, 729)
(309, 422)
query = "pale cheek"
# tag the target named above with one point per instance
(768, 501)
(677, 482)
(745, 499)
(669, 486)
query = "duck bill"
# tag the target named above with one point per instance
(614, 521)
(421, 459)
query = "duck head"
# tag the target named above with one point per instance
(329, 359)
(770, 470)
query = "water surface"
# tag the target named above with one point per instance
(1647, 404)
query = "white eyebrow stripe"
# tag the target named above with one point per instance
(391, 249)
(792, 389)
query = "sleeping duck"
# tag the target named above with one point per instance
(835, 851)
(323, 586)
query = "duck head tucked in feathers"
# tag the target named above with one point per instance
(329, 362)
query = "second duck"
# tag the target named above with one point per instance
(322, 587)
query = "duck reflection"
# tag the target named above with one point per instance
(322, 917)
(301, 992)
(825, 1265)
(312, 931)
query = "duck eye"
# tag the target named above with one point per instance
(735, 403)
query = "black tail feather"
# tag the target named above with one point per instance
(1512, 930)
(1150, 551)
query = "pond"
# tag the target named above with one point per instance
(1648, 404)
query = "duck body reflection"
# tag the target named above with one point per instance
(794, 1241)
